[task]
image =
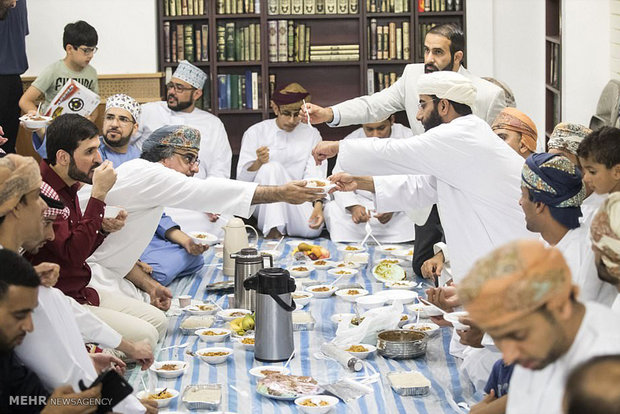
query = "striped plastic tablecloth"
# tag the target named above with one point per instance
(448, 385)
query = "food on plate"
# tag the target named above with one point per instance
(352, 248)
(390, 261)
(408, 379)
(318, 183)
(353, 292)
(342, 272)
(169, 367)
(236, 314)
(202, 394)
(212, 333)
(357, 321)
(404, 318)
(321, 289)
(195, 322)
(266, 372)
(162, 395)
(200, 236)
(299, 296)
(214, 354)
(309, 403)
(320, 263)
(289, 386)
(245, 323)
(356, 348)
(389, 271)
(206, 307)
(420, 328)
(247, 341)
(387, 249)
(300, 269)
(312, 251)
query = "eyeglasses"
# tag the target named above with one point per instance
(189, 159)
(121, 119)
(178, 88)
(88, 50)
(421, 105)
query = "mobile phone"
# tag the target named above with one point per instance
(113, 390)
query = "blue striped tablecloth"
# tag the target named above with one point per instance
(448, 385)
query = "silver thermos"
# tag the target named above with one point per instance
(274, 321)
(248, 261)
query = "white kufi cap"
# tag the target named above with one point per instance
(190, 74)
(448, 85)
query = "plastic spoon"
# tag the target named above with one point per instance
(183, 345)
(307, 112)
(278, 244)
(289, 359)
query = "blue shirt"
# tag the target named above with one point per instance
(117, 158)
(13, 32)
(499, 380)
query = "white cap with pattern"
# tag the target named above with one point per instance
(190, 74)
(126, 102)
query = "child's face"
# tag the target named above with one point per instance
(82, 55)
(599, 178)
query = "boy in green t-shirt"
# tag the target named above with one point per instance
(80, 43)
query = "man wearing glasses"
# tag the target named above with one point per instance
(120, 123)
(179, 108)
(80, 43)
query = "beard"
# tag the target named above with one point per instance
(122, 141)
(6, 345)
(430, 68)
(179, 105)
(75, 173)
(433, 120)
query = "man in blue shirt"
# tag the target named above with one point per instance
(120, 122)
(13, 31)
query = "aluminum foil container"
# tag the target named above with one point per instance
(305, 326)
(202, 405)
(408, 391)
(401, 344)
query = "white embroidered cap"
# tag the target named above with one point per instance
(448, 85)
(190, 74)
(126, 102)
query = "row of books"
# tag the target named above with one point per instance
(378, 81)
(184, 7)
(439, 5)
(275, 7)
(334, 53)
(237, 7)
(186, 41)
(238, 44)
(387, 6)
(554, 65)
(288, 41)
(239, 91)
(389, 42)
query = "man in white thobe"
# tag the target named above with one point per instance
(144, 188)
(279, 150)
(183, 90)
(477, 175)
(347, 216)
(522, 295)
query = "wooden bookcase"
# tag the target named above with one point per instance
(553, 65)
(328, 82)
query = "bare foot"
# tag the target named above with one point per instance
(274, 233)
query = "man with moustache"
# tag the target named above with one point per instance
(215, 157)
(120, 123)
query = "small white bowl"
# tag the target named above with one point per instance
(181, 366)
(240, 340)
(401, 284)
(351, 248)
(360, 355)
(426, 311)
(31, 123)
(402, 322)
(276, 254)
(453, 318)
(222, 334)
(349, 264)
(405, 254)
(296, 271)
(302, 298)
(323, 264)
(350, 297)
(404, 296)
(227, 314)
(344, 272)
(321, 183)
(320, 409)
(164, 402)
(321, 294)
(257, 371)
(428, 328)
(371, 301)
(201, 309)
(391, 260)
(213, 360)
(389, 248)
(204, 238)
(336, 318)
(111, 212)
(360, 259)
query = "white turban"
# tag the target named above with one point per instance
(190, 74)
(126, 102)
(448, 85)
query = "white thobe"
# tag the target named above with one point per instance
(576, 248)
(143, 189)
(55, 349)
(403, 95)
(290, 158)
(338, 219)
(590, 207)
(541, 391)
(215, 155)
(478, 179)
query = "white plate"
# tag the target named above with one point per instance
(392, 260)
(351, 248)
(346, 272)
(321, 294)
(428, 328)
(339, 317)
(163, 402)
(360, 355)
(371, 301)
(195, 310)
(453, 318)
(406, 254)
(343, 294)
(349, 264)
(327, 264)
(401, 284)
(202, 237)
(111, 211)
(213, 360)
(404, 296)
(304, 298)
(389, 248)
(256, 371)
(396, 272)
(181, 367)
(226, 314)
(300, 273)
(321, 183)
(321, 409)
(222, 334)
(35, 124)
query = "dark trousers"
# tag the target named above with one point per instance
(11, 90)
(425, 237)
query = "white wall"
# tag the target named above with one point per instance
(615, 38)
(126, 28)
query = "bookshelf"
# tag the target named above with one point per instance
(329, 82)
(553, 66)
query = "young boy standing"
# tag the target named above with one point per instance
(80, 43)
(599, 155)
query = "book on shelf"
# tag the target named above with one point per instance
(309, 6)
(370, 81)
(174, 8)
(238, 91)
(284, 6)
(334, 58)
(188, 42)
(272, 84)
(372, 36)
(377, 81)
(289, 41)
(238, 42)
(343, 6)
(354, 6)
(406, 42)
(392, 41)
(273, 40)
(167, 55)
(331, 6)
(273, 7)
(282, 40)
(385, 6)
(238, 6)
(312, 7)
(399, 43)
(320, 6)
(297, 6)
(439, 5)
(388, 41)
(180, 42)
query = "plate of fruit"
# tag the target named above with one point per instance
(312, 251)
(240, 326)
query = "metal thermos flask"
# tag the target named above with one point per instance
(248, 261)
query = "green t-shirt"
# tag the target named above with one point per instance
(54, 77)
